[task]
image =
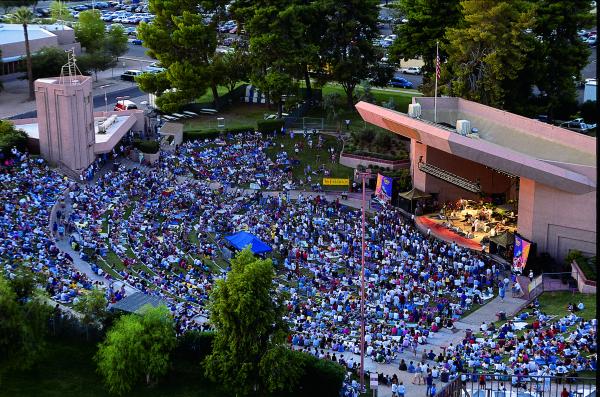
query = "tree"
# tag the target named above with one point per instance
(11, 137)
(24, 16)
(236, 68)
(347, 48)
(185, 45)
(560, 54)
(489, 50)
(136, 348)
(102, 48)
(427, 23)
(23, 325)
(60, 12)
(380, 74)
(249, 330)
(90, 30)
(92, 306)
(48, 62)
(115, 41)
(589, 112)
(94, 62)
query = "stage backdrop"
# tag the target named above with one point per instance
(520, 253)
(383, 189)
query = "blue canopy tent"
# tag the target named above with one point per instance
(241, 240)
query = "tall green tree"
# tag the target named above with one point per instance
(185, 45)
(23, 16)
(23, 323)
(247, 318)
(561, 55)
(489, 50)
(427, 23)
(90, 30)
(236, 67)
(136, 349)
(92, 306)
(347, 44)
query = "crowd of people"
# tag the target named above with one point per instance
(30, 190)
(161, 230)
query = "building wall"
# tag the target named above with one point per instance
(491, 181)
(65, 120)
(557, 221)
(18, 49)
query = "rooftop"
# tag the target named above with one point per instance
(13, 33)
(531, 137)
(507, 142)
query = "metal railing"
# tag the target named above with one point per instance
(480, 385)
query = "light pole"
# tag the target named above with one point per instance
(363, 175)
(105, 98)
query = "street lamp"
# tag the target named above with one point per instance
(105, 98)
(363, 176)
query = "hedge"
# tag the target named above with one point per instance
(144, 146)
(193, 135)
(382, 156)
(268, 126)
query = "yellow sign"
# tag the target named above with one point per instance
(336, 181)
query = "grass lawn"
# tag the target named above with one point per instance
(555, 303)
(69, 370)
(237, 116)
(208, 95)
(313, 157)
(402, 97)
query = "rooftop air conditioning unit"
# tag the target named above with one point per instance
(414, 110)
(463, 127)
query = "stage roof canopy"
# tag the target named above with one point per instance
(414, 194)
(553, 156)
(241, 240)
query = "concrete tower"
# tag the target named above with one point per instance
(65, 118)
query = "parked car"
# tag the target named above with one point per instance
(578, 124)
(401, 82)
(411, 70)
(155, 67)
(592, 40)
(136, 41)
(130, 75)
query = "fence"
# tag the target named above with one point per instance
(546, 282)
(518, 386)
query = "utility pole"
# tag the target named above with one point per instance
(364, 176)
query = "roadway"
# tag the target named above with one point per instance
(99, 104)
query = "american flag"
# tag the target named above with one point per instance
(437, 64)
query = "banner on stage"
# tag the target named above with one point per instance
(383, 189)
(336, 181)
(520, 253)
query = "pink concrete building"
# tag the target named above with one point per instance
(67, 132)
(66, 121)
(474, 149)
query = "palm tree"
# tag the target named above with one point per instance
(24, 16)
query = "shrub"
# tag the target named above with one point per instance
(194, 345)
(11, 137)
(144, 146)
(383, 139)
(320, 377)
(268, 126)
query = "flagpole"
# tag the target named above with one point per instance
(437, 62)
